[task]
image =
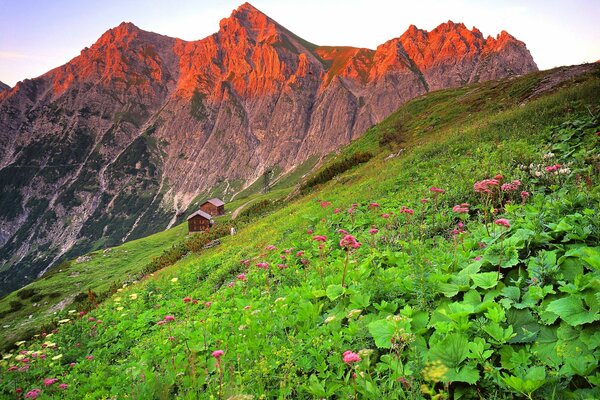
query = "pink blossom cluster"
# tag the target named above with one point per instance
(486, 185)
(325, 204)
(512, 186)
(406, 210)
(320, 238)
(462, 208)
(262, 265)
(552, 168)
(437, 190)
(502, 222)
(349, 242)
(350, 357)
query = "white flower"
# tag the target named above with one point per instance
(329, 319)
(354, 312)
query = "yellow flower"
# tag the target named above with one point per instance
(119, 308)
(64, 321)
(19, 344)
(133, 296)
(434, 371)
(354, 312)
(58, 357)
(174, 280)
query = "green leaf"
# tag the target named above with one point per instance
(452, 350)
(334, 291)
(382, 331)
(468, 374)
(315, 387)
(570, 309)
(485, 280)
(533, 380)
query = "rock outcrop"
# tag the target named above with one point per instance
(123, 139)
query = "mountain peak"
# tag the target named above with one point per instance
(247, 18)
(4, 86)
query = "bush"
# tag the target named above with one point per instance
(26, 293)
(15, 305)
(337, 168)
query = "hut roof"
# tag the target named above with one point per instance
(201, 213)
(215, 202)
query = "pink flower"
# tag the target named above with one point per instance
(373, 205)
(245, 262)
(72, 365)
(262, 265)
(349, 241)
(299, 254)
(63, 386)
(336, 211)
(13, 368)
(424, 201)
(187, 299)
(406, 210)
(33, 394)
(320, 238)
(288, 251)
(18, 390)
(81, 313)
(207, 304)
(385, 216)
(436, 190)
(282, 266)
(325, 204)
(91, 319)
(25, 360)
(246, 307)
(162, 322)
(349, 357)
(460, 209)
(351, 211)
(231, 284)
(524, 195)
(498, 177)
(242, 277)
(310, 231)
(502, 222)
(169, 318)
(271, 247)
(89, 357)
(477, 258)
(373, 231)
(217, 354)
(304, 261)
(50, 381)
(194, 301)
(343, 232)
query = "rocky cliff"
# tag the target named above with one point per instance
(3, 87)
(135, 130)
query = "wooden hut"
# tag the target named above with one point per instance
(213, 207)
(199, 221)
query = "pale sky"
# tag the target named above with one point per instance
(38, 35)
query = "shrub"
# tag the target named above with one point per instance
(337, 168)
(26, 293)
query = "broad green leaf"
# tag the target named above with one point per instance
(334, 291)
(571, 310)
(468, 374)
(382, 331)
(485, 280)
(533, 380)
(524, 324)
(452, 350)
(315, 387)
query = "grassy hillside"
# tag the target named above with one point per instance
(377, 281)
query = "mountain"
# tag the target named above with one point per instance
(3, 87)
(136, 130)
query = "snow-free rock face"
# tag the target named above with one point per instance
(4, 87)
(123, 139)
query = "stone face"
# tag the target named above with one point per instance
(122, 140)
(3, 87)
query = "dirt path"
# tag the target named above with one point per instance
(235, 213)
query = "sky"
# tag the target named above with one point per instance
(38, 35)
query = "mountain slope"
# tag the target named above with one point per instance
(126, 137)
(3, 87)
(427, 121)
(434, 302)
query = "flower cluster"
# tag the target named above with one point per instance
(349, 242)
